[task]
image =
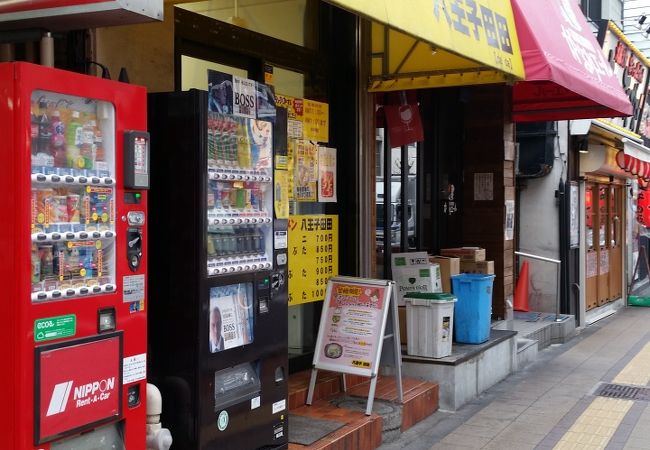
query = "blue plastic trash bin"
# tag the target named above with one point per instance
(474, 307)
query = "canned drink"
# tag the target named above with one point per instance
(63, 171)
(36, 265)
(72, 205)
(44, 206)
(46, 256)
(50, 170)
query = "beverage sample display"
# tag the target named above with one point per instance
(239, 200)
(72, 205)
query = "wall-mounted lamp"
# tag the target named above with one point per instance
(646, 33)
(582, 145)
(642, 20)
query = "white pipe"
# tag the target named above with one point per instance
(158, 438)
(47, 50)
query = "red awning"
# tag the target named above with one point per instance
(567, 75)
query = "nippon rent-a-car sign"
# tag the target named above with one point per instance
(78, 385)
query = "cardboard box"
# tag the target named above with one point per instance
(448, 266)
(416, 278)
(486, 267)
(465, 253)
(401, 312)
(408, 259)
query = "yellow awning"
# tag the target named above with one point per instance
(440, 43)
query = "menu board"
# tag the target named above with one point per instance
(352, 326)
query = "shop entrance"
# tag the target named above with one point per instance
(604, 223)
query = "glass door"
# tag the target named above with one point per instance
(72, 203)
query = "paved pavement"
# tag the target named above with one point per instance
(553, 403)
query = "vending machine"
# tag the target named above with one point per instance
(74, 181)
(218, 329)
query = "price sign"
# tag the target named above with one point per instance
(313, 256)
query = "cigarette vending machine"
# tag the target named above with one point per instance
(74, 164)
(218, 330)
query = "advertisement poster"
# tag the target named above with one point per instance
(220, 97)
(260, 134)
(326, 174)
(265, 102)
(316, 121)
(73, 393)
(352, 327)
(483, 186)
(244, 97)
(281, 197)
(313, 256)
(591, 268)
(510, 220)
(230, 316)
(295, 110)
(305, 171)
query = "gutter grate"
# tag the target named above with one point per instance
(624, 392)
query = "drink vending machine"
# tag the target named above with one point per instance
(218, 330)
(75, 172)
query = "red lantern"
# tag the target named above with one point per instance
(620, 159)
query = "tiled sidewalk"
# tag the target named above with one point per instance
(551, 404)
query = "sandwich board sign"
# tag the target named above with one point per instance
(352, 331)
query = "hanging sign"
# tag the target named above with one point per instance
(404, 124)
(313, 256)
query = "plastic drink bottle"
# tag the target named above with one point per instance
(44, 129)
(34, 130)
(72, 141)
(57, 147)
(87, 141)
(244, 148)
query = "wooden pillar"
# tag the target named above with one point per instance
(489, 153)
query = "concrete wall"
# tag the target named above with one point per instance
(539, 223)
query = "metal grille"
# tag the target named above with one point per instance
(624, 392)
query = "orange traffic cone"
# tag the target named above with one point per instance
(521, 291)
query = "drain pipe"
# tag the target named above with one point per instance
(158, 438)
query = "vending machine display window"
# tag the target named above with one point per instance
(107, 437)
(239, 194)
(230, 316)
(73, 196)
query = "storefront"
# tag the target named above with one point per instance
(567, 80)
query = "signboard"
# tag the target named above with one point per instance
(574, 216)
(72, 395)
(352, 327)
(295, 109)
(313, 256)
(630, 67)
(483, 186)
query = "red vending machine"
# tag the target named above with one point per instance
(75, 169)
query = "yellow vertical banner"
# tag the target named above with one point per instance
(313, 256)
(316, 120)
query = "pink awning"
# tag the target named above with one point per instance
(567, 75)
